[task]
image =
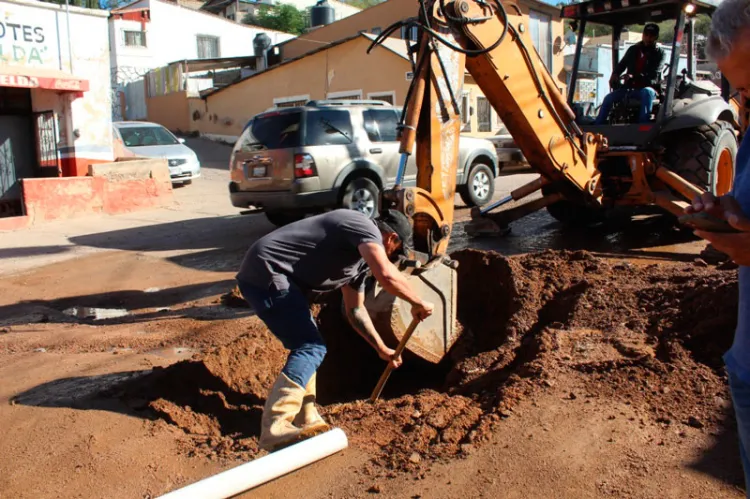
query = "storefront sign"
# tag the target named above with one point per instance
(22, 81)
(28, 36)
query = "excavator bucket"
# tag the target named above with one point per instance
(434, 336)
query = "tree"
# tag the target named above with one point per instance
(282, 17)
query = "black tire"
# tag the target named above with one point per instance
(187, 182)
(695, 155)
(362, 194)
(479, 187)
(572, 214)
(281, 218)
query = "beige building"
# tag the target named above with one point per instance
(336, 65)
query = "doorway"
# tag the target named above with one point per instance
(17, 147)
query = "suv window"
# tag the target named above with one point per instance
(273, 131)
(381, 125)
(328, 127)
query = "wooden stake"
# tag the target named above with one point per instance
(400, 348)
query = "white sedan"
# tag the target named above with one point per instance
(152, 140)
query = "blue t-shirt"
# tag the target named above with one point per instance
(737, 358)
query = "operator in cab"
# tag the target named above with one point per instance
(643, 63)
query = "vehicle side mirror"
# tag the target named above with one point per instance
(181, 140)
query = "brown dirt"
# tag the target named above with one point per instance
(650, 336)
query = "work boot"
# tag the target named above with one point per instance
(308, 418)
(282, 405)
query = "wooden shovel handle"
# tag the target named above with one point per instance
(400, 348)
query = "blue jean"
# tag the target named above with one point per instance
(288, 317)
(645, 95)
(741, 400)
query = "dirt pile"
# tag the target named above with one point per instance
(651, 335)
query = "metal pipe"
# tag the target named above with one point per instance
(691, 48)
(518, 193)
(685, 188)
(576, 61)
(67, 22)
(666, 109)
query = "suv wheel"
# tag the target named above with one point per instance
(361, 194)
(480, 186)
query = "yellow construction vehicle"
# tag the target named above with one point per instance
(584, 168)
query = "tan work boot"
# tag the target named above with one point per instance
(308, 418)
(282, 405)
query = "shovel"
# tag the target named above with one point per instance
(400, 348)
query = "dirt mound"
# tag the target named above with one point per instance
(650, 335)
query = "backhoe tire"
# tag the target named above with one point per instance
(572, 214)
(705, 156)
(479, 187)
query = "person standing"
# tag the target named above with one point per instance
(729, 45)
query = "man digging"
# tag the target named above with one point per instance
(282, 271)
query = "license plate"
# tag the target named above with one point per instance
(259, 171)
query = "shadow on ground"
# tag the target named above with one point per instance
(722, 460)
(138, 305)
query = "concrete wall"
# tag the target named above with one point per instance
(83, 120)
(344, 68)
(170, 110)
(114, 188)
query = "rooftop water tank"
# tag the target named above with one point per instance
(321, 14)
(261, 42)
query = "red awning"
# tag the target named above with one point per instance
(50, 79)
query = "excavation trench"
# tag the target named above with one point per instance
(525, 319)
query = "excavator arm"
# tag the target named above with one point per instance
(491, 41)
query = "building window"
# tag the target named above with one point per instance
(345, 95)
(413, 33)
(208, 47)
(465, 116)
(134, 38)
(484, 115)
(388, 97)
(540, 30)
(376, 31)
(293, 101)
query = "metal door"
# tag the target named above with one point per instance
(48, 156)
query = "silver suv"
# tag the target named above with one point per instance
(327, 154)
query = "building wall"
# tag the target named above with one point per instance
(383, 15)
(165, 44)
(170, 110)
(84, 133)
(345, 68)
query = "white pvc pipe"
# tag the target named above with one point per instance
(246, 476)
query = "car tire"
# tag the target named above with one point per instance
(187, 182)
(479, 187)
(362, 194)
(281, 218)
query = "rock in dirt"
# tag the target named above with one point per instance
(234, 299)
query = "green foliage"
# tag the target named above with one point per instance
(88, 4)
(363, 4)
(282, 17)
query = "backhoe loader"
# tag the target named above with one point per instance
(584, 169)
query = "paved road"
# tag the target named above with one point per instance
(203, 230)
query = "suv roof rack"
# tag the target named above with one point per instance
(345, 102)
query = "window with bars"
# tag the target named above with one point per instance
(484, 115)
(383, 97)
(208, 47)
(134, 38)
(291, 103)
